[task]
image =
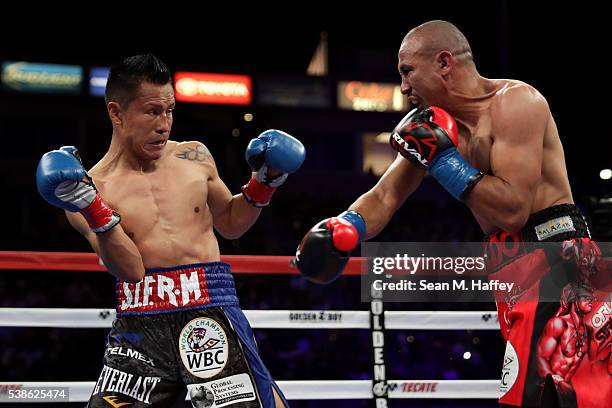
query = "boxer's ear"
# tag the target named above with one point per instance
(445, 61)
(114, 112)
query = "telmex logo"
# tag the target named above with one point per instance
(213, 88)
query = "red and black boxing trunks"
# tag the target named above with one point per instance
(557, 321)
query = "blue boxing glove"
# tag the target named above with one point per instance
(272, 156)
(429, 138)
(62, 181)
(325, 249)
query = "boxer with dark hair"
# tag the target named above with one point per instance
(148, 209)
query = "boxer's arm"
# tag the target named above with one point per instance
(324, 251)
(519, 121)
(232, 214)
(547, 345)
(378, 205)
(118, 252)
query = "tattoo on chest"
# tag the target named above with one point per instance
(198, 153)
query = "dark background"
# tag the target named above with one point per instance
(561, 50)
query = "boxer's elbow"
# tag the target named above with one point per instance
(514, 218)
(133, 277)
(129, 276)
(231, 229)
(137, 273)
(123, 262)
(236, 219)
(231, 234)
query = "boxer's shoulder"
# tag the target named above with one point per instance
(100, 172)
(513, 93)
(193, 150)
(516, 102)
(556, 325)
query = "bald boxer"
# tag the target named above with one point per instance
(148, 209)
(492, 144)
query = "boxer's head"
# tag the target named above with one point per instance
(140, 100)
(584, 300)
(580, 296)
(427, 58)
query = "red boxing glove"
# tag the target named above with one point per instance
(325, 249)
(423, 134)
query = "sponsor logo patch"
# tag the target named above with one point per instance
(203, 347)
(222, 392)
(113, 401)
(510, 369)
(128, 352)
(554, 227)
(117, 381)
(169, 290)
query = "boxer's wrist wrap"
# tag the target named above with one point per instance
(454, 173)
(471, 183)
(357, 220)
(257, 194)
(100, 216)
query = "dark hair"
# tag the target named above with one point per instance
(572, 292)
(126, 76)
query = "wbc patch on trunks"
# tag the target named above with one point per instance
(203, 346)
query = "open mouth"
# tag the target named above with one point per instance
(158, 144)
(414, 100)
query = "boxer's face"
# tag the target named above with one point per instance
(585, 304)
(420, 80)
(146, 123)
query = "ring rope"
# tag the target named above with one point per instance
(267, 319)
(80, 391)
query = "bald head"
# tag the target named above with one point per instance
(435, 36)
